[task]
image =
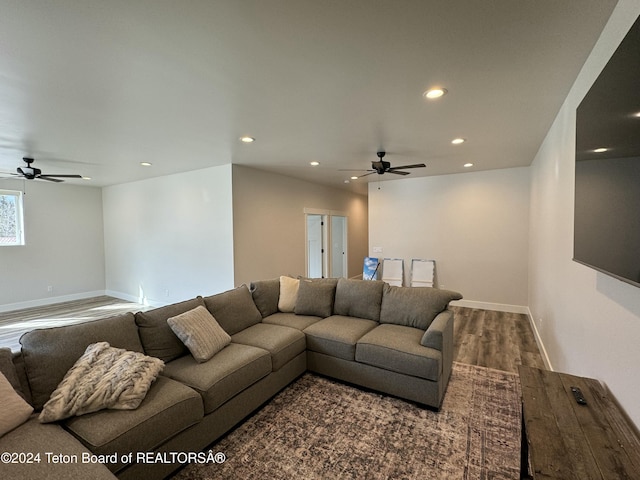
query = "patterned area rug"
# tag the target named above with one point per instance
(318, 428)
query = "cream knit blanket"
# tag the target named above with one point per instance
(103, 377)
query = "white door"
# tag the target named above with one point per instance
(315, 246)
(338, 246)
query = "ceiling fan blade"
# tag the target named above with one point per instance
(370, 173)
(397, 172)
(46, 177)
(61, 176)
(355, 170)
(415, 165)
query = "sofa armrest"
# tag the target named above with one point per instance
(439, 335)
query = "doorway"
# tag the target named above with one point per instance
(326, 249)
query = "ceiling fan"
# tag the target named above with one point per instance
(32, 173)
(381, 166)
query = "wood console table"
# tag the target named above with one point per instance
(565, 440)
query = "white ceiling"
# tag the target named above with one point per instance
(95, 87)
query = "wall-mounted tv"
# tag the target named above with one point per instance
(607, 173)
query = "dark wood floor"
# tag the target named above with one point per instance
(493, 339)
(481, 337)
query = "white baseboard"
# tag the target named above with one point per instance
(498, 307)
(536, 334)
(132, 298)
(50, 300)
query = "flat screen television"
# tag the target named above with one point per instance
(607, 167)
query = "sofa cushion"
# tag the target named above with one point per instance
(265, 295)
(157, 337)
(49, 353)
(315, 298)
(288, 294)
(168, 409)
(234, 309)
(15, 411)
(397, 348)
(37, 438)
(229, 372)
(103, 377)
(283, 343)
(200, 332)
(414, 306)
(358, 298)
(291, 320)
(337, 335)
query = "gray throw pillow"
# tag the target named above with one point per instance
(315, 298)
(414, 306)
(157, 337)
(265, 295)
(199, 331)
(359, 298)
(234, 309)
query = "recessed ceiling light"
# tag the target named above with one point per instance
(314, 163)
(347, 181)
(86, 178)
(354, 178)
(247, 139)
(467, 165)
(434, 93)
(458, 141)
(637, 115)
(145, 164)
(600, 150)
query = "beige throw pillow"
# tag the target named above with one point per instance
(200, 332)
(15, 411)
(288, 294)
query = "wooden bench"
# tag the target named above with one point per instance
(565, 440)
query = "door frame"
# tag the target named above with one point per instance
(327, 240)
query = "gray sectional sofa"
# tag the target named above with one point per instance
(396, 340)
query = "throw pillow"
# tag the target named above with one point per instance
(288, 294)
(359, 298)
(315, 298)
(103, 377)
(265, 295)
(414, 306)
(156, 336)
(15, 411)
(200, 332)
(234, 309)
(8, 369)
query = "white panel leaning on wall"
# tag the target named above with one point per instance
(393, 271)
(422, 272)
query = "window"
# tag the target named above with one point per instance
(11, 221)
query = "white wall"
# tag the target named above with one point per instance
(169, 238)
(64, 246)
(475, 225)
(589, 322)
(269, 223)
